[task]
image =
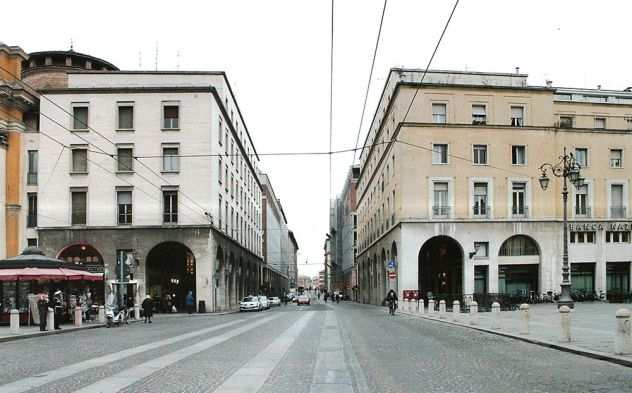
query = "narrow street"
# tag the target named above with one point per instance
(342, 347)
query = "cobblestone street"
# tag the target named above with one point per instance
(320, 348)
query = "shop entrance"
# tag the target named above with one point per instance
(440, 268)
(170, 274)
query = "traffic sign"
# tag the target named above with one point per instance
(392, 264)
(392, 275)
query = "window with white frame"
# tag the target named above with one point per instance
(171, 158)
(220, 131)
(79, 201)
(581, 157)
(616, 158)
(31, 175)
(170, 206)
(441, 202)
(80, 116)
(628, 123)
(79, 163)
(479, 114)
(439, 112)
(482, 250)
(617, 207)
(600, 123)
(583, 237)
(170, 115)
(480, 199)
(125, 116)
(125, 158)
(124, 206)
(220, 170)
(581, 201)
(439, 153)
(518, 155)
(219, 210)
(480, 154)
(517, 116)
(617, 237)
(518, 198)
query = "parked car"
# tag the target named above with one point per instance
(250, 303)
(303, 299)
(274, 301)
(265, 303)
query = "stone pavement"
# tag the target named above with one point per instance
(33, 331)
(593, 326)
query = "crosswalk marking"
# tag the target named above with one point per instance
(47, 377)
(251, 377)
(120, 381)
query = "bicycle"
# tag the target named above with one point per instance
(392, 306)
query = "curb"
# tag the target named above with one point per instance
(620, 360)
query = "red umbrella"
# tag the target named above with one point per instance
(35, 273)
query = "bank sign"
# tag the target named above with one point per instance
(600, 226)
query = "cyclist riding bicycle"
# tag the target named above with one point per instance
(391, 299)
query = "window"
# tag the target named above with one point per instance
(439, 113)
(479, 114)
(226, 216)
(583, 237)
(439, 153)
(232, 152)
(518, 245)
(441, 205)
(566, 122)
(581, 157)
(617, 237)
(481, 274)
(617, 210)
(581, 201)
(219, 210)
(482, 249)
(480, 199)
(226, 140)
(616, 158)
(600, 123)
(480, 154)
(125, 159)
(125, 116)
(226, 176)
(518, 195)
(628, 122)
(31, 219)
(79, 116)
(78, 208)
(518, 155)
(219, 178)
(124, 203)
(31, 178)
(170, 158)
(170, 116)
(170, 206)
(220, 131)
(31, 242)
(517, 116)
(79, 160)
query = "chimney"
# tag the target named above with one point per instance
(549, 83)
(598, 87)
(517, 70)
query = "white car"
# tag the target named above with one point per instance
(265, 303)
(250, 303)
(275, 301)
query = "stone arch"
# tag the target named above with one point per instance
(170, 269)
(519, 265)
(441, 268)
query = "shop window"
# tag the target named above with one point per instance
(617, 237)
(480, 279)
(517, 280)
(617, 278)
(583, 277)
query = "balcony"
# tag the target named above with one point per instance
(441, 211)
(617, 212)
(583, 211)
(520, 211)
(481, 211)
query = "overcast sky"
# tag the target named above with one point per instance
(276, 55)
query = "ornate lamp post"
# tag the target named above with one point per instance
(567, 167)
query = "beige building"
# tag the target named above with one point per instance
(448, 196)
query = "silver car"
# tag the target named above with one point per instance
(250, 303)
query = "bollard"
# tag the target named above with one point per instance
(50, 320)
(101, 316)
(565, 319)
(137, 312)
(524, 318)
(456, 310)
(407, 309)
(431, 306)
(442, 309)
(623, 339)
(420, 309)
(77, 316)
(495, 315)
(473, 313)
(14, 321)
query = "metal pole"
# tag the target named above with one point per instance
(565, 296)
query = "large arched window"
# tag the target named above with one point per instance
(518, 245)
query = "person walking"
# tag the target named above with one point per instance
(189, 302)
(391, 298)
(42, 308)
(148, 308)
(58, 306)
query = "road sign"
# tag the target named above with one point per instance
(391, 264)
(392, 275)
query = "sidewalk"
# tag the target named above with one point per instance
(593, 328)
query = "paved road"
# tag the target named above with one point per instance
(321, 348)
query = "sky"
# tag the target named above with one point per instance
(276, 56)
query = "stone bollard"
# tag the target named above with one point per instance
(50, 320)
(14, 321)
(524, 318)
(408, 306)
(101, 316)
(495, 315)
(137, 312)
(442, 309)
(431, 307)
(623, 339)
(456, 310)
(78, 317)
(473, 313)
(565, 319)
(421, 307)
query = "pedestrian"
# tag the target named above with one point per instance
(189, 302)
(319, 295)
(167, 307)
(58, 307)
(326, 296)
(148, 308)
(338, 296)
(42, 308)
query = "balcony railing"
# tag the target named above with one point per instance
(31, 179)
(441, 211)
(481, 211)
(617, 212)
(582, 211)
(520, 211)
(615, 163)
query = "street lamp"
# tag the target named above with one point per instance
(567, 167)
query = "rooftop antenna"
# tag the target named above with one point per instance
(140, 60)
(156, 60)
(178, 60)
(72, 46)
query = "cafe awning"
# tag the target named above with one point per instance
(32, 264)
